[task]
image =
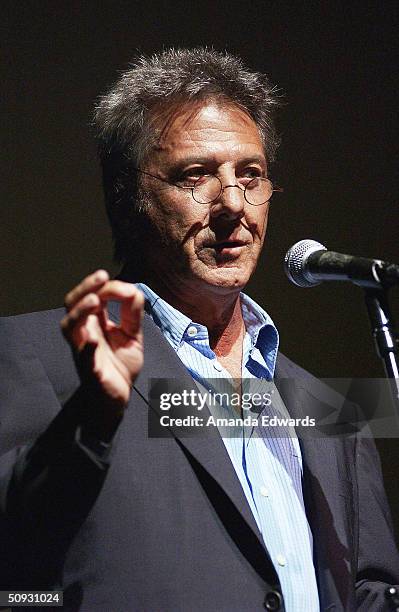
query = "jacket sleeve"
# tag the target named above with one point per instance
(49, 479)
(378, 558)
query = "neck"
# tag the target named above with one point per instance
(220, 312)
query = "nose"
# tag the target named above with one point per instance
(230, 203)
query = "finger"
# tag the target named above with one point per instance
(103, 318)
(114, 290)
(76, 318)
(131, 313)
(90, 284)
(117, 290)
(84, 359)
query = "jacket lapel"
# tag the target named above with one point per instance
(327, 483)
(204, 448)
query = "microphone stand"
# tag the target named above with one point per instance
(382, 327)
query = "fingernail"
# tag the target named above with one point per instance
(91, 299)
(101, 275)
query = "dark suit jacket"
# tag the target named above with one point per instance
(164, 524)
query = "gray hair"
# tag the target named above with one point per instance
(126, 130)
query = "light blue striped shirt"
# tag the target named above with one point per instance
(269, 467)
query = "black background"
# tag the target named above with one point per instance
(336, 66)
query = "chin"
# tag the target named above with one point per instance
(228, 279)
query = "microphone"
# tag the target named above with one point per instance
(307, 263)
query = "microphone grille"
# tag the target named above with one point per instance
(295, 262)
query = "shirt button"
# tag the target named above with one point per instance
(281, 560)
(192, 331)
(217, 366)
(264, 492)
(273, 601)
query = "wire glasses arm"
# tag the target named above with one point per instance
(161, 179)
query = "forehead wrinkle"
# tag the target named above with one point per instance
(206, 127)
(165, 119)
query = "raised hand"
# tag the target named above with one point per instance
(108, 356)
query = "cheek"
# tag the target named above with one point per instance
(177, 230)
(257, 223)
(185, 224)
(263, 223)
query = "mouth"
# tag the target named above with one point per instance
(226, 251)
(226, 246)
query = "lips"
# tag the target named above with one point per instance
(226, 244)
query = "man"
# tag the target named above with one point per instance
(124, 521)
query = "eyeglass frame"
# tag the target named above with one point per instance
(222, 188)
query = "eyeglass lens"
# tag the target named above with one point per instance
(208, 188)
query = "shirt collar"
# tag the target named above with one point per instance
(262, 332)
(174, 324)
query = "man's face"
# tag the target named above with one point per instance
(205, 247)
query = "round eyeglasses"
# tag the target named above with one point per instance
(208, 188)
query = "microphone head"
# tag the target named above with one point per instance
(295, 262)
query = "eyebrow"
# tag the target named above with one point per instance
(194, 159)
(253, 159)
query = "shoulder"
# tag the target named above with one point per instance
(331, 402)
(33, 320)
(38, 373)
(35, 325)
(286, 368)
(32, 344)
(41, 330)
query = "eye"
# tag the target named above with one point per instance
(249, 173)
(252, 172)
(191, 176)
